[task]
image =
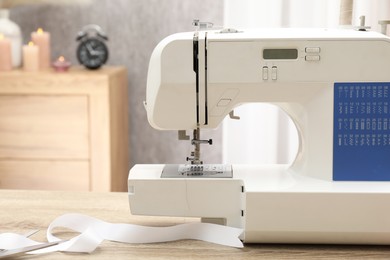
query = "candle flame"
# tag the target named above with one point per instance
(61, 58)
(1, 36)
(40, 31)
(30, 43)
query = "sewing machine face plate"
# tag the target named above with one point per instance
(361, 144)
(197, 171)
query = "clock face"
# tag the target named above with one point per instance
(92, 53)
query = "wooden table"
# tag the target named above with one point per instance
(22, 211)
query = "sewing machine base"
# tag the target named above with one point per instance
(272, 203)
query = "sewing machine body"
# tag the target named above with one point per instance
(337, 189)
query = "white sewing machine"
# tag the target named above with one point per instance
(334, 84)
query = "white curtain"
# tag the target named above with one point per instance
(265, 134)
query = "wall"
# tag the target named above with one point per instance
(134, 27)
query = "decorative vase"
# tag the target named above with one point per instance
(12, 31)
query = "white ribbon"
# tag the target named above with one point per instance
(93, 231)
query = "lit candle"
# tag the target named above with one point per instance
(42, 40)
(5, 54)
(61, 64)
(31, 57)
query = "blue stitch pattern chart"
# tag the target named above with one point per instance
(361, 134)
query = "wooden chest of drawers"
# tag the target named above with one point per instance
(64, 131)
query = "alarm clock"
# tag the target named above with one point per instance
(92, 51)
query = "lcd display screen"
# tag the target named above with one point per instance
(280, 54)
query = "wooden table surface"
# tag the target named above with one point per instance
(23, 211)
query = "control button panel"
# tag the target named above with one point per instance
(269, 70)
(312, 54)
(273, 70)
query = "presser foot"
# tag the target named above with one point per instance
(196, 142)
(197, 171)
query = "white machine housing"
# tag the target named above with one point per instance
(298, 203)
